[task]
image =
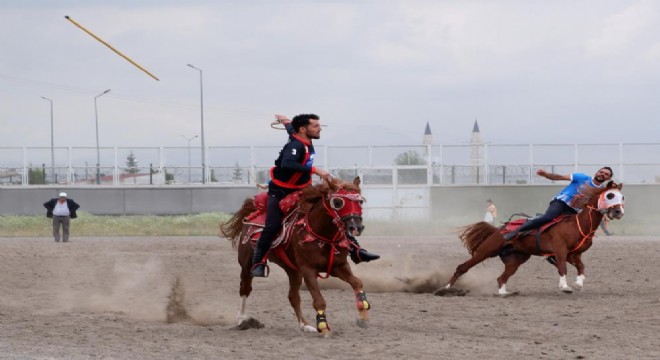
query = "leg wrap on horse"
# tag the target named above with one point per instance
(361, 301)
(321, 322)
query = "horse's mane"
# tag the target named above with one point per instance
(586, 193)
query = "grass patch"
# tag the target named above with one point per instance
(104, 225)
(207, 225)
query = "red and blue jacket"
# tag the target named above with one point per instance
(295, 165)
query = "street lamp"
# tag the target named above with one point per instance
(52, 149)
(201, 102)
(98, 151)
(189, 140)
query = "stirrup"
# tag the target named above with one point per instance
(511, 235)
(254, 271)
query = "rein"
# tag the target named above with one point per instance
(588, 235)
(340, 233)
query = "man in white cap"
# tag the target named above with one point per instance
(62, 210)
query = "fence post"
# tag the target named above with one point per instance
(621, 179)
(531, 163)
(25, 179)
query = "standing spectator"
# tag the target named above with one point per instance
(491, 212)
(62, 210)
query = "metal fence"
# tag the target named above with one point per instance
(483, 164)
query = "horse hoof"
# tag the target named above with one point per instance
(577, 286)
(308, 329)
(507, 294)
(326, 333)
(363, 323)
(450, 292)
(567, 290)
(249, 323)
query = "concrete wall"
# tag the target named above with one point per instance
(157, 200)
(458, 205)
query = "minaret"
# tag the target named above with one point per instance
(477, 153)
(428, 137)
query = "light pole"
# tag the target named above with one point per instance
(201, 102)
(189, 140)
(98, 150)
(52, 149)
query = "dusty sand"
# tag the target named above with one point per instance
(107, 298)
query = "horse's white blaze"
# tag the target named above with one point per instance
(563, 285)
(241, 314)
(502, 290)
(579, 281)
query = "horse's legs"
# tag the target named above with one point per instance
(511, 262)
(244, 292)
(560, 255)
(309, 275)
(345, 273)
(489, 248)
(576, 260)
(295, 280)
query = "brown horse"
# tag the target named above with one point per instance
(564, 241)
(314, 241)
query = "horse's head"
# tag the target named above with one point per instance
(344, 201)
(611, 201)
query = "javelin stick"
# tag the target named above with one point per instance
(110, 46)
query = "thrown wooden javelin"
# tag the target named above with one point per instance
(110, 46)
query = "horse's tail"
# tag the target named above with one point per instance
(473, 235)
(232, 228)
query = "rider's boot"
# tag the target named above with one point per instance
(512, 234)
(358, 254)
(259, 258)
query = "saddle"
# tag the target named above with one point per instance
(257, 219)
(512, 225)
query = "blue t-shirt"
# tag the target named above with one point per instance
(577, 180)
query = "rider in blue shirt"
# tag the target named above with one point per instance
(561, 203)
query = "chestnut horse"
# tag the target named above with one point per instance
(565, 241)
(314, 242)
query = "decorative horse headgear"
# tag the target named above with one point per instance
(611, 199)
(345, 206)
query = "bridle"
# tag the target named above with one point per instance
(342, 206)
(335, 205)
(603, 207)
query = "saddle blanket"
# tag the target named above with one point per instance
(514, 224)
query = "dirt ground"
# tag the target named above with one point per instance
(107, 298)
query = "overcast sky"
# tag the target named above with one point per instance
(375, 71)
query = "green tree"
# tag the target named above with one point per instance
(410, 157)
(169, 177)
(238, 173)
(36, 176)
(131, 164)
(411, 176)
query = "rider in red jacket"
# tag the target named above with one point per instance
(292, 171)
